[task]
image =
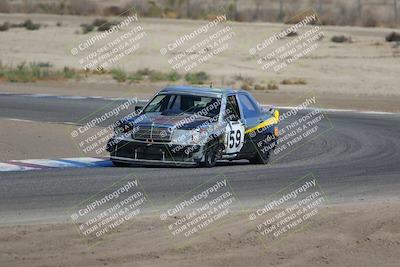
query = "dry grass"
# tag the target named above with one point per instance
(245, 86)
(36, 71)
(294, 82)
(393, 37)
(341, 39)
(272, 85)
(260, 87)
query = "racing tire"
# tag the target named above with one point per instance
(210, 159)
(261, 157)
(258, 159)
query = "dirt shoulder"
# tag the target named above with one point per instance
(35, 140)
(342, 235)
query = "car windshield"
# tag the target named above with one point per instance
(174, 105)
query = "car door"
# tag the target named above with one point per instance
(235, 128)
(252, 116)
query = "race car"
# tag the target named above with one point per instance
(191, 126)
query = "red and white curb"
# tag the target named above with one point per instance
(41, 164)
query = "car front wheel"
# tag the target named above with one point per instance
(210, 158)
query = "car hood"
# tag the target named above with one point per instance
(184, 121)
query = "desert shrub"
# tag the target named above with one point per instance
(18, 75)
(3, 71)
(44, 64)
(86, 28)
(197, 78)
(35, 71)
(18, 25)
(144, 72)
(300, 82)
(259, 87)
(59, 24)
(23, 73)
(154, 10)
(272, 86)
(294, 81)
(393, 37)
(341, 39)
(135, 77)
(245, 86)
(1, 65)
(106, 26)
(244, 79)
(119, 75)
(286, 82)
(173, 76)
(29, 25)
(170, 13)
(155, 76)
(99, 22)
(69, 73)
(4, 27)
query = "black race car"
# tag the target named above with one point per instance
(196, 126)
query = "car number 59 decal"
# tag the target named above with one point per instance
(234, 137)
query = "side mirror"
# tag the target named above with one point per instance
(138, 108)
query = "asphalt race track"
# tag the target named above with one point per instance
(358, 159)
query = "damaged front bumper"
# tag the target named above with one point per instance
(153, 153)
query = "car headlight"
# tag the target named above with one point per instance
(186, 137)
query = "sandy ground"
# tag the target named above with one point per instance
(36, 140)
(368, 66)
(344, 235)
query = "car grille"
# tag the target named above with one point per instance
(157, 134)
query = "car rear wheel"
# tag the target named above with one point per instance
(261, 157)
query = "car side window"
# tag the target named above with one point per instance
(249, 108)
(232, 111)
(159, 103)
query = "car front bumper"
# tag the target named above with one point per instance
(132, 151)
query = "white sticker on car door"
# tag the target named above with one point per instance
(234, 137)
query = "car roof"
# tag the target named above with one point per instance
(198, 90)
